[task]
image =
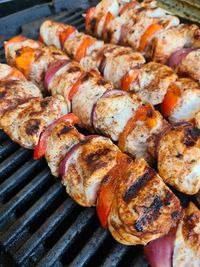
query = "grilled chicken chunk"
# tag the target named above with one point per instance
(181, 246)
(61, 81)
(50, 33)
(190, 65)
(112, 112)
(9, 73)
(167, 42)
(187, 240)
(72, 46)
(152, 82)
(84, 167)
(134, 138)
(92, 87)
(25, 122)
(143, 207)
(39, 59)
(178, 155)
(15, 92)
(61, 139)
(16, 43)
(119, 62)
(188, 102)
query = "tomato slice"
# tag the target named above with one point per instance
(128, 6)
(66, 34)
(170, 99)
(88, 15)
(24, 58)
(41, 147)
(82, 49)
(128, 79)
(15, 39)
(107, 189)
(144, 113)
(147, 35)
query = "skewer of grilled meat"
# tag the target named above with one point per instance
(93, 171)
(153, 82)
(103, 110)
(98, 106)
(145, 27)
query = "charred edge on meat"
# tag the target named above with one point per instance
(191, 136)
(132, 191)
(32, 127)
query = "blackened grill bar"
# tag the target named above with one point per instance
(39, 223)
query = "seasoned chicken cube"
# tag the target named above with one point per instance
(112, 112)
(38, 62)
(188, 100)
(190, 65)
(91, 88)
(16, 43)
(187, 241)
(62, 138)
(10, 73)
(152, 82)
(178, 156)
(143, 208)
(85, 166)
(25, 122)
(15, 92)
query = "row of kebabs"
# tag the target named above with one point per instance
(143, 207)
(147, 28)
(131, 198)
(154, 83)
(139, 129)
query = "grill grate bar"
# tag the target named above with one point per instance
(39, 206)
(49, 226)
(14, 161)
(54, 255)
(115, 256)
(19, 177)
(24, 195)
(3, 136)
(7, 148)
(98, 238)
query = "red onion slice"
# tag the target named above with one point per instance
(73, 149)
(62, 166)
(53, 68)
(93, 113)
(159, 252)
(176, 58)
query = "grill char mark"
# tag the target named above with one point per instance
(191, 136)
(32, 127)
(151, 213)
(133, 190)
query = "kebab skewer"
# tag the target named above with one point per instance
(107, 112)
(152, 82)
(88, 163)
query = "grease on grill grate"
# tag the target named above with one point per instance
(40, 225)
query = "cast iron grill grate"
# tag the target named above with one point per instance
(39, 224)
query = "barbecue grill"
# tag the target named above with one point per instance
(40, 225)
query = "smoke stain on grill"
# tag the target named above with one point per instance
(133, 190)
